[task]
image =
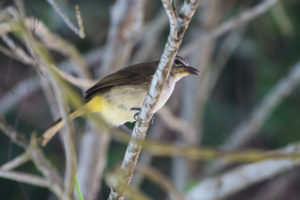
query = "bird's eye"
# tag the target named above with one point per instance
(177, 62)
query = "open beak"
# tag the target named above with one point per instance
(191, 70)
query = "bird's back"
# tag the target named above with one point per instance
(139, 74)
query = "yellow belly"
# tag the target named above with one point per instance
(115, 105)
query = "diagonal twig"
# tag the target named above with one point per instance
(80, 31)
(18, 161)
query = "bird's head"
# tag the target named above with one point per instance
(181, 68)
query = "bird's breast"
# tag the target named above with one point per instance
(115, 105)
(166, 94)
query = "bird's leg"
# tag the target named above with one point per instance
(136, 115)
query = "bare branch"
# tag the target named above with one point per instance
(159, 79)
(59, 44)
(21, 90)
(36, 156)
(79, 32)
(25, 178)
(242, 177)
(42, 57)
(22, 56)
(79, 20)
(12, 134)
(16, 162)
(51, 40)
(45, 167)
(156, 133)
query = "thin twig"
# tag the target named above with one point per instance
(36, 155)
(68, 22)
(21, 90)
(42, 57)
(16, 162)
(59, 44)
(12, 134)
(25, 178)
(22, 56)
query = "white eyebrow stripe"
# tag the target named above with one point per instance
(181, 60)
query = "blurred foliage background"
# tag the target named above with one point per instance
(270, 45)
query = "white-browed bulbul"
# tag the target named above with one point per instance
(119, 96)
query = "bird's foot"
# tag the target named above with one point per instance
(136, 115)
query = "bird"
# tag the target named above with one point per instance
(118, 97)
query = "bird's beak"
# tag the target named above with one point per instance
(191, 70)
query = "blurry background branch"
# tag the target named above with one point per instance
(227, 183)
(245, 131)
(240, 59)
(51, 180)
(78, 31)
(230, 24)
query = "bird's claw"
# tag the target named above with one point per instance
(136, 115)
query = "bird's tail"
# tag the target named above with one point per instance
(56, 126)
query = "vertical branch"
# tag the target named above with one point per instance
(126, 20)
(68, 142)
(177, 31)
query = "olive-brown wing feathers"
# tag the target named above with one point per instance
(139, 74)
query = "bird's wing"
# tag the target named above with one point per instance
(133, 75)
